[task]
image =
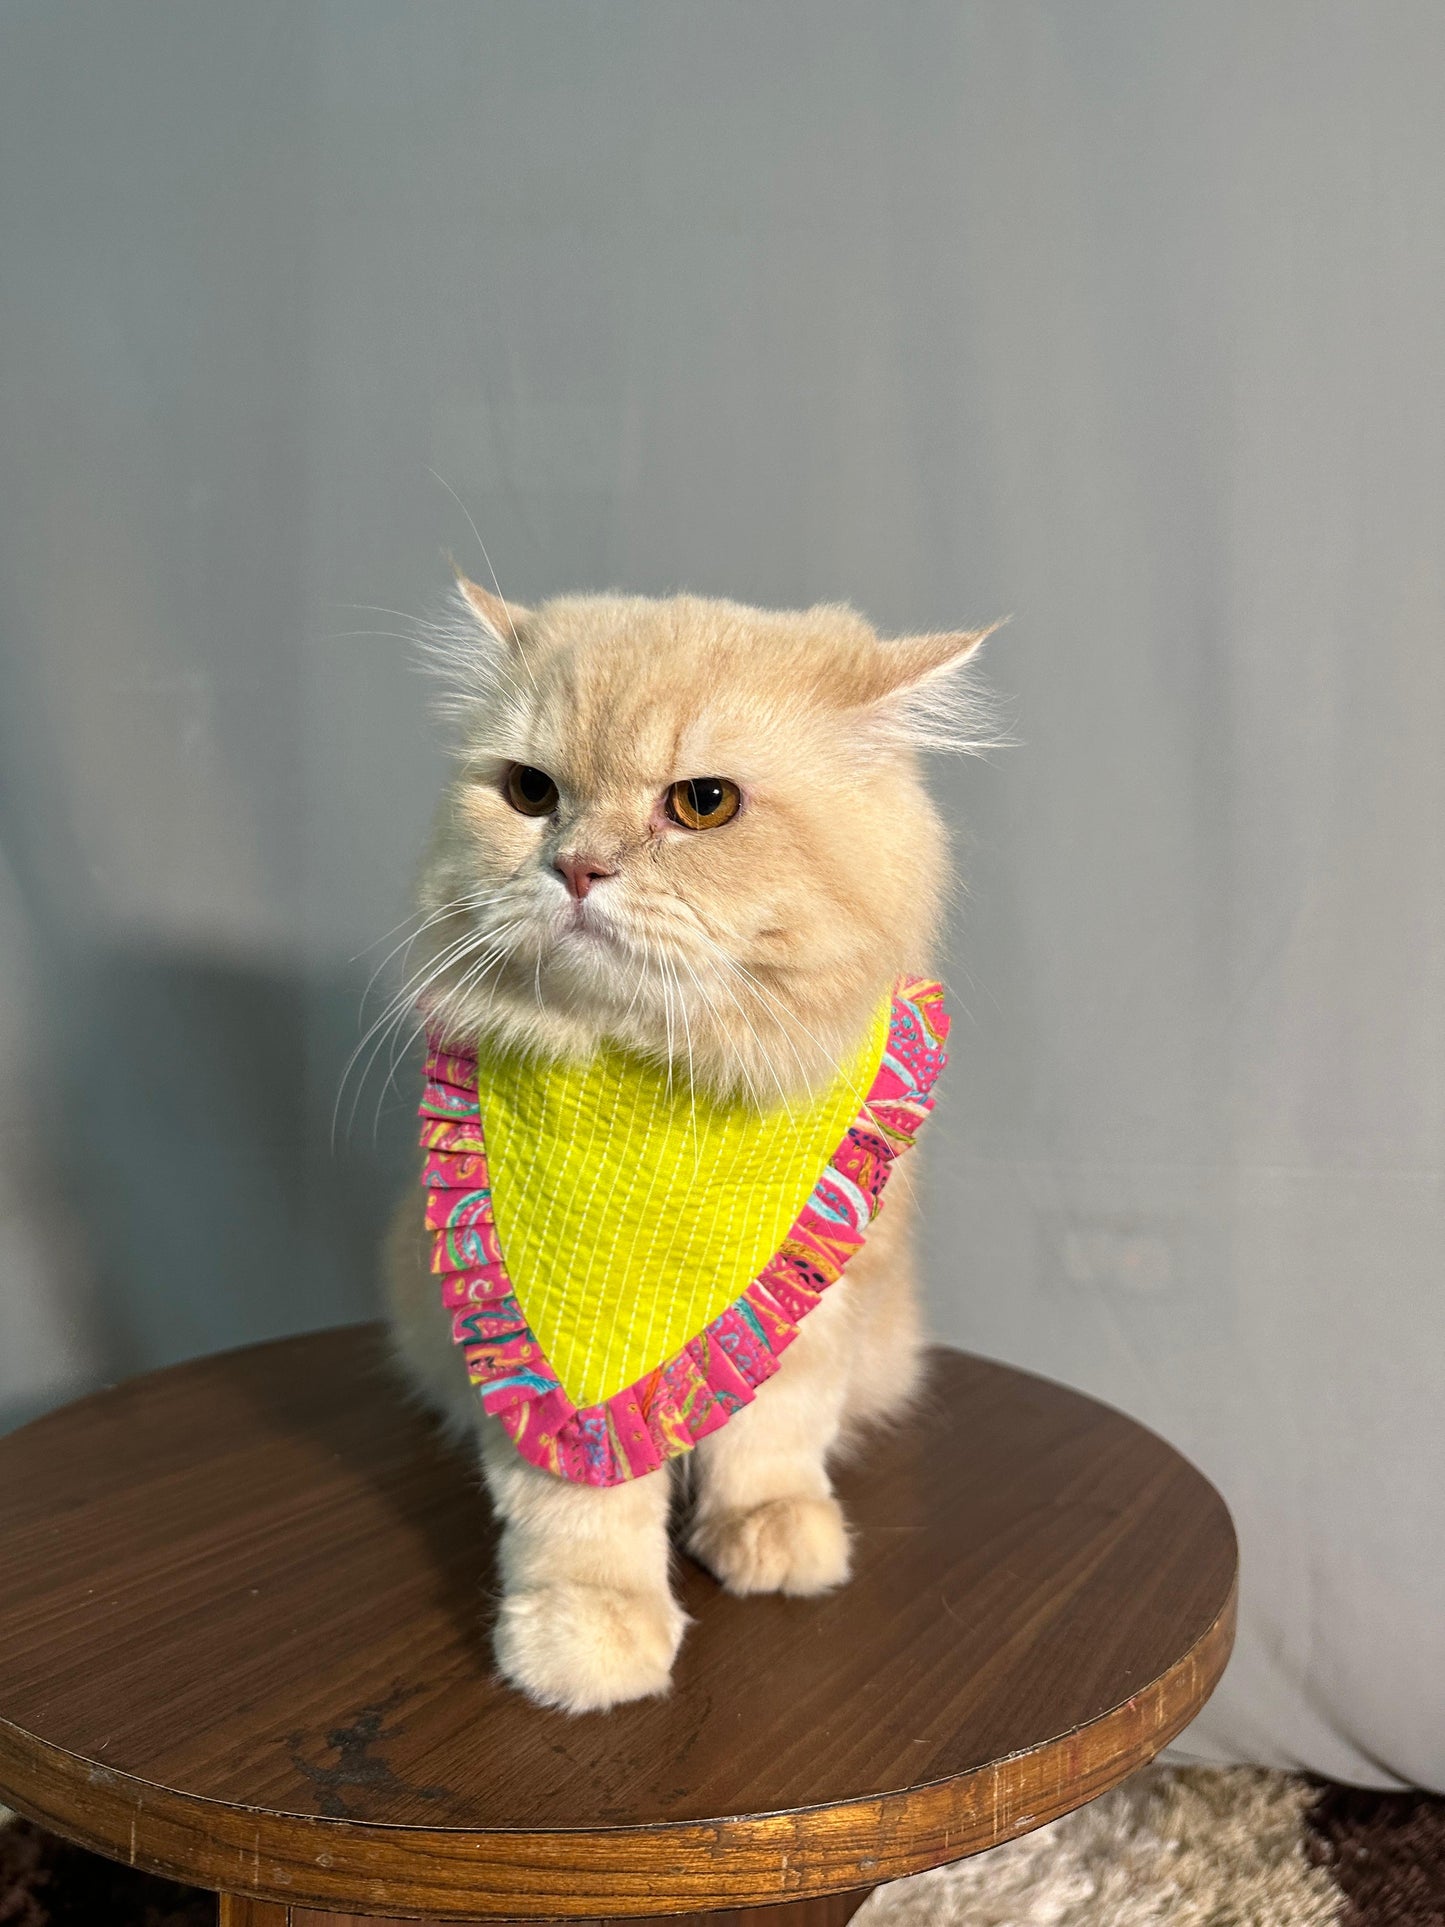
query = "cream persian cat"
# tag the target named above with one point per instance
(569, 899)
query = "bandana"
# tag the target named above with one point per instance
(625, 1259)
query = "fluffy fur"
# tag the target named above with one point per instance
(748, 958)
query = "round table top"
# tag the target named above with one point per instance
(244, 1612)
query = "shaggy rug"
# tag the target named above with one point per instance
(1170, 1848)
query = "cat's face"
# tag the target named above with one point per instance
(691, 826)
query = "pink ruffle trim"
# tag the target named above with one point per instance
(670, 1408)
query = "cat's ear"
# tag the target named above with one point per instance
(474, 649)
(922, 692)
(500, 620)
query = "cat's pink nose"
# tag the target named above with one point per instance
(579, 873)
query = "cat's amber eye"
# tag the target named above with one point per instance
(702, 802)
(531, 791)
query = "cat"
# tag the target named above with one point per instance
(698, 831)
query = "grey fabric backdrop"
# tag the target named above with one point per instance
(1124, 317)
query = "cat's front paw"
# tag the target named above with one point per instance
(584, 1648)
(797, 1546)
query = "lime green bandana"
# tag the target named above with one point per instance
(623, 1257)
(630, 1215)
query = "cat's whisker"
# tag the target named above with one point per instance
(492, 949)
(492, 993)
(392, 1015)
(516, 639)
(457, 907)
(667, 1012)
(419, 981)
(372, 609)
(492, 940)
(355, 635)
(368, 948)
(784, 1014)
(691, 1071)
(387, 1015)
(385, 1027)
(764, 1056)
(451, 944)
(472, 979)
(866, 1108)
(785, 1019)
(731, 1043)
(641, 980)
(693, 925)
(699, 932)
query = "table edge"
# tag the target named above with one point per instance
(732, 1861)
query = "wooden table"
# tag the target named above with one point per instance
(243, 1642)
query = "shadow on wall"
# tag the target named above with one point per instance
(181, 1193)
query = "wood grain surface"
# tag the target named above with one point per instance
(825, 1910)
(244, 1608)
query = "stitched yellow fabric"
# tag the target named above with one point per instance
(629, 1215)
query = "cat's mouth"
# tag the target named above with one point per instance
(584, 926)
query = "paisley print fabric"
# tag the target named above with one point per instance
(695, 1383)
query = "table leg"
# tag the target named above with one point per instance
(239, 1910)
(827, 1910)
